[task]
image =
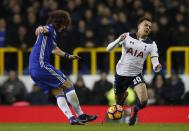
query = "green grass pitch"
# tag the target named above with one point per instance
(93, 127)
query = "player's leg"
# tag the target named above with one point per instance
(120, 98)
(141, 93)
(57, 79)
(62, 104)
(140, 88)
(73, 100)
(48, 78)
(120, 86)
(54, 79)
(72, 96)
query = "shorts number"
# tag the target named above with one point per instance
(137, 80)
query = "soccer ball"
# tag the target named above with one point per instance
(115, 112)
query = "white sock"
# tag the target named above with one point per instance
(73, 100)
(62, 104)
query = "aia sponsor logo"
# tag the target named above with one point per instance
(135, 53)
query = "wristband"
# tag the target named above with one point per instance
(66, 55)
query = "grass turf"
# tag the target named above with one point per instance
(93, 127)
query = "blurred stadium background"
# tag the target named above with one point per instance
(94, 24)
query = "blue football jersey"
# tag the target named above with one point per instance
(41, 71)
(45, 43)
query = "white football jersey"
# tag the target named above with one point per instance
(134, 53)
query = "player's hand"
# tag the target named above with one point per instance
(39, 30)
(123, 36)
(74, 57)
(158, 68)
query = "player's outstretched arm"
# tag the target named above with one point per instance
(116, 43)
(41, 29)
(59, 52)
(156, 65)
(154, 58)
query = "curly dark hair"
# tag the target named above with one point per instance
(58, 18)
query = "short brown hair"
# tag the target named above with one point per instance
(59, 18)
(143, 19)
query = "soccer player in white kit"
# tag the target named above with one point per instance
(135, 49)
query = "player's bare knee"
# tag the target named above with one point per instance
(67, 84)
(56, 92)
(141, 92)
(70, 83)
(144, 100)
(143, 97)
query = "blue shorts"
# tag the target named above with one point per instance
(47, 77)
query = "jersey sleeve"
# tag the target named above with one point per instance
(154, 50)
(121, 43)
(54, 43)
(50, 29)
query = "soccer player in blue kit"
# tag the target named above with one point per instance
(49, 78)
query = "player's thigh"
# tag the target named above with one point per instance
(141, 92)
(67, 84)
(140, 87)
(121, 83)
(39, 76)
(57, 92)
(51, 77)
(48, 79)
